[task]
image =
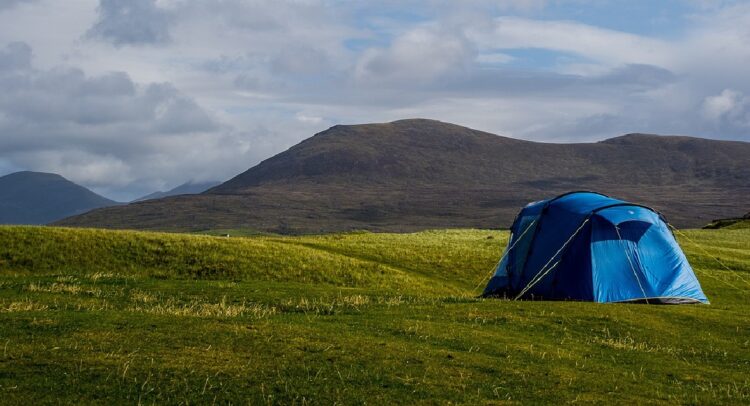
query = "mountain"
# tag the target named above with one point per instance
(416, 174)
(40, 198)
(188, 188)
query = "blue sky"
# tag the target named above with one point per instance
(662, 18)
(131, 96)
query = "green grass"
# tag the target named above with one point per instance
(739, 225)
(92, 316)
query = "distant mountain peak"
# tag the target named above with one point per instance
(395, 151)
(413, 123)
(404, 122)
(190, 187)
(34, 175)
(28, 197)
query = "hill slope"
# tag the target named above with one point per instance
(40, 198)
(416, 174)
(187, 188)
(356, 318)
(731, 223)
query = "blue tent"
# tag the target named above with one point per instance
(591, 247)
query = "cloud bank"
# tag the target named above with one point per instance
(128, 97)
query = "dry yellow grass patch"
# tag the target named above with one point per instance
(203, 309)
(22, 306)
(138, 295)
(60, 287)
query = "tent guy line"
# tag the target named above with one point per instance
(733, 272)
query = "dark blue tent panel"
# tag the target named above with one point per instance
(591, 247)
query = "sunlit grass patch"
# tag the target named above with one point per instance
(27, 305)
(628, 343)
(325, 305)
(139, 296)
(195, 308)
(62, 287)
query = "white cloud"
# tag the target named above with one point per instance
(418, 56)
(494, 58)
(715, 107)
(307, 118)
(608, 47)
(730, 107)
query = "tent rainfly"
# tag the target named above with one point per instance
(589, 247)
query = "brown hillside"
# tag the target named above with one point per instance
(415, 174)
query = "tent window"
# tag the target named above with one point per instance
(633, 230)
(629, 230)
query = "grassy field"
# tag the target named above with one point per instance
(92, 316)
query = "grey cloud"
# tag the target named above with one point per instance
(300, 60)
(8, 4)
(638, 75)
(476, 81)
(247, 82)
(724, 116)
(227, 64)
(176, 113)
(16, 55)
(509, 82)
(501, 81)
(131, 22)
(587, 128)
(114, 83)
(104, 130)
(68, 96)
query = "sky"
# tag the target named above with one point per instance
(127, 97)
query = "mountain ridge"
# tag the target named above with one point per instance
(415, 174)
